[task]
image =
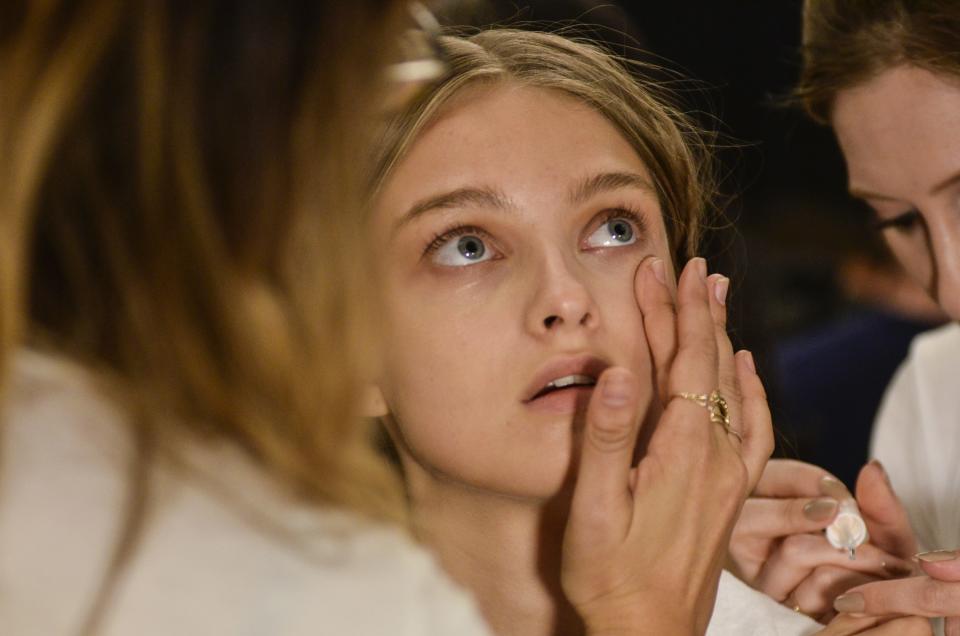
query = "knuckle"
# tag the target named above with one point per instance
(609, 433)
(793, 547)
(703, 346)
(668, 307)
(730, 389)
(733, 477)
(934, 597)
(768, 446)
(590, 519)
(823, 578)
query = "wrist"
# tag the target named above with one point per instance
(636, 619)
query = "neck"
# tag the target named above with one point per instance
(505, 551)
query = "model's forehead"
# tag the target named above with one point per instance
(508, 130)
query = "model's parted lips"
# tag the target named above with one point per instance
(583, 370)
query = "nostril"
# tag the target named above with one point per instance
(550, 321)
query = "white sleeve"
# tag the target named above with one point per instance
(897, 446)
(917, 437)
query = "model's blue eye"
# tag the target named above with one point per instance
(614, 232)
(462, 251)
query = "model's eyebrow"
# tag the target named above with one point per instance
(488, 197)
(480, 196)
(607, 181)
(861, 193)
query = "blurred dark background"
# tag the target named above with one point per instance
(815, 295)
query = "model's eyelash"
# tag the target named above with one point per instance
(901, 221)
(444, 237)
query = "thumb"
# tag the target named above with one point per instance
(602, 503)
(886, 519)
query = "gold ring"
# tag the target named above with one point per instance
(716, 406)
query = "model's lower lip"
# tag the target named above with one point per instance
(563, 401)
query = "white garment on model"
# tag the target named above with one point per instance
(917, 437)
(740, 610)
(205, 564)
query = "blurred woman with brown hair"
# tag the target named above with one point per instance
(885, 74)
(180, 327)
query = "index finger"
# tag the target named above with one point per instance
(789, 478)
(654, 296)
(695, 365)
(917, 596)
(771, 518)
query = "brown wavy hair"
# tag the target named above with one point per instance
(848, 42)
(179, 199)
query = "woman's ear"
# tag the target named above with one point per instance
(372, 403)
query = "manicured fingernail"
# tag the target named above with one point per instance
(616, 388)
(849, 603)
(937, 556)
(821, 509)
(701, 265)
(659, 270)
(720, 289)
(832, 487)
(749, 361)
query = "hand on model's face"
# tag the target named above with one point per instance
(508, 239)
(644, 547)
(900, 136)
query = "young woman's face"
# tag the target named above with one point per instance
(900, 135)
(509, 237)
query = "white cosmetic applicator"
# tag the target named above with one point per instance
(848, 531)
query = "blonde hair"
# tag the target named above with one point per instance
(846, 43)
(673, 148)
(178, 201)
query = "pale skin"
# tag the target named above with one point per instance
(521, 240)
(900, 137)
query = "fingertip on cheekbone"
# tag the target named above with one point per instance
(659, 270)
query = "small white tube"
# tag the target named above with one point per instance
(848, 530)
